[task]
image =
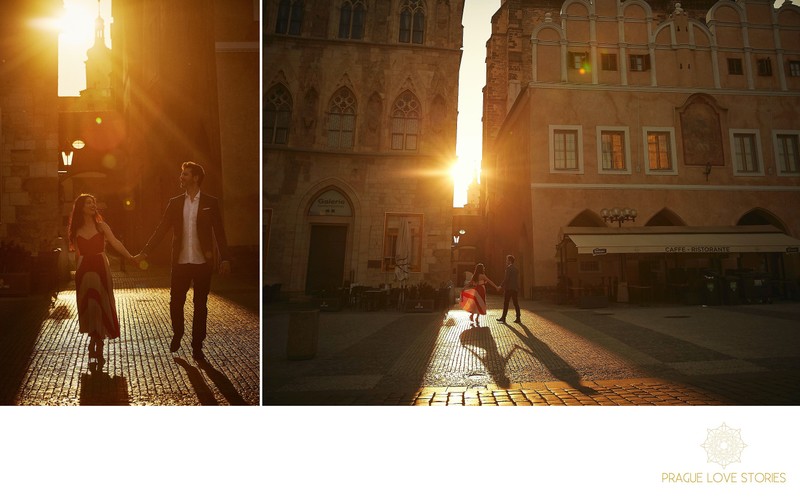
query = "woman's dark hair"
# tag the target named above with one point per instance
(479, 269)
(196, 169)
(76, 218)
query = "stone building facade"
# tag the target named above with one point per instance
(28, 125)
(360, 102)
(186, 80)
(685, 112)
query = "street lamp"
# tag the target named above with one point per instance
(618, 216)
(457, 237)
(66, 160)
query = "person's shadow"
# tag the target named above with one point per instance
(493, 362)
(554, 363)
(204, 393)
(100, 389)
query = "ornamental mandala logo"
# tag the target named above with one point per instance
(724, 445)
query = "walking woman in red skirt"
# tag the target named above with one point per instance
(473, 297)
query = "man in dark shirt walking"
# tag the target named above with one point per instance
(510, 288)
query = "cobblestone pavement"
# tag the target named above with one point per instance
(558, 355)
(44, 360)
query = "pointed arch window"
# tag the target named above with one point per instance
(412, 21)
(290, 17)
(342, 119)
(277, 115)
(352, 19)
(405, 122)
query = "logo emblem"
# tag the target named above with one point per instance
(724, 445)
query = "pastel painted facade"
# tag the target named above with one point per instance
(690, 116)
(360, 113)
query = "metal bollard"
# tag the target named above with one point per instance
(303, 335)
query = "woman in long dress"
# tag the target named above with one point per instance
(473, 297)
(97, 310)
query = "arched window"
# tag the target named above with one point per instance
(278, 115)
(290, 17)
(342, 119)
(405, 122)
(412, 21)
(352, 19)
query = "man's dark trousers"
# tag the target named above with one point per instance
(183, 276)
(508, 295)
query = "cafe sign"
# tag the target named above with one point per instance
(331, 203)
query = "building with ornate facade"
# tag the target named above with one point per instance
(684, 117)
(360, 104)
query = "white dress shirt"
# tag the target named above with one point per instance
(191, 252)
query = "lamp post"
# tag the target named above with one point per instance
(618, 215)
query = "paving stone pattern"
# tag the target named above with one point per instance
(558, 355)
(45, 359)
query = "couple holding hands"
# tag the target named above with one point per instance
(196, 221)
(473, 297)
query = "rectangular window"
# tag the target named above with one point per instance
(745, 152)
(608, 62)
(393, 242)
(565, 148)
(660, 151)
(577, 60)
(794, 68)
(765, 67)
(787, 152)
(640, 62)
(735, 66)
(613, 151)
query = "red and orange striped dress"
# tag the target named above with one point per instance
(97, 310)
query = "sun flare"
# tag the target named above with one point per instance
(76, 35)
(464, 171)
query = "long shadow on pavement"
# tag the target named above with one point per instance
(554, 363)
(224, 385)
(204, 394)
(493, 361)
(396, 354)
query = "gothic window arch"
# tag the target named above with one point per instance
(278, 115)
(412, 21)
(342, 119)
(405, 122)
(352, 19)
(290, 17)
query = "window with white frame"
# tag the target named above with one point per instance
(660, 145)
(566, 149)
(342, 119)
(405, 122)
(391, 240)
(578, 60)
(746, 147)
(794, 69)
(613, 151)
(787, 152)
(639, 62)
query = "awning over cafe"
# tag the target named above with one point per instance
(680, 240)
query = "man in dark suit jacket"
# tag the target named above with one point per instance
(510, 287)
(196, 222)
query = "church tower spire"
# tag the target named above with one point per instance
(98, 63)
